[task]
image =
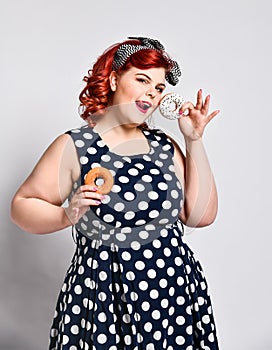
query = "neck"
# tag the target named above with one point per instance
(121, 119)
(106, 124)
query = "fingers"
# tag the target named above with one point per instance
(200, 106)
(203, 107)
(206, 105)
(86, 188)
(87, 195)
(199, 100)
(212, 115)
(80, 203)
(186, 107)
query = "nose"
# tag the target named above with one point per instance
(151, 93)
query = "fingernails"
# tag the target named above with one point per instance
(95, 188)
(200, 90)
(97, 202)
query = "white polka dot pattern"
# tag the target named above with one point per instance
(143, 192)
(133, 283)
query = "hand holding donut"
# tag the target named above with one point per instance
(192, 124)
(90, 193)
(85, 196)
(192, 119)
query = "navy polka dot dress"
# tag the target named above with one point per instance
(133, 284)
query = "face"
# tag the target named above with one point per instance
(137, 92)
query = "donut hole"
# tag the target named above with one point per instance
(172, 106)
(99, 181)
(101, 178)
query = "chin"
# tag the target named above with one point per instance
(131, 115)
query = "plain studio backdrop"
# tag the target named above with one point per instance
(223, 47)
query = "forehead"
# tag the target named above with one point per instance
(155, 74)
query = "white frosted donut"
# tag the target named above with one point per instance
(170, 105)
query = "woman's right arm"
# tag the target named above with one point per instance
(37, 205)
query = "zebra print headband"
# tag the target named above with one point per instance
(126, 50)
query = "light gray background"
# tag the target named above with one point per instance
(224, 47)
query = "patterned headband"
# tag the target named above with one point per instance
(126, 50)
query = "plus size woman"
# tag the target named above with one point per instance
(133, 283)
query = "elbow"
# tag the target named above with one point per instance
(209, 218)
(13, 212)
(16, 216)
(198, 221)
(206, 221)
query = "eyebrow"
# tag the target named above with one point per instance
(150, 78)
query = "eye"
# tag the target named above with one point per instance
(142, 80)
(160, 89)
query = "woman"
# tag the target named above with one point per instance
(133, 283)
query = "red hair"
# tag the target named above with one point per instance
(95, 96)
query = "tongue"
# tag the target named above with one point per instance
(142, 105)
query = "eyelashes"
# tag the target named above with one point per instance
(160, 89)
(145, 81)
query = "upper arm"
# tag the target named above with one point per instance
(53, 176)
(179, 162)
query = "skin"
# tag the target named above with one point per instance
(37, 205)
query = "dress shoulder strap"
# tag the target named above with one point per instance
(83, 137)
(163, 139)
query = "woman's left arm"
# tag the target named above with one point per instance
(200, 194)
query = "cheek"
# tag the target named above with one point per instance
(157, 100)
(132, 91)
(125, 93)
(128, 92)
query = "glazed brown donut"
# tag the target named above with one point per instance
(103, 173)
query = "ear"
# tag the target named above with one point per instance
(113, 78)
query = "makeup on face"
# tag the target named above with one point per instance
(138, 92)
(151, 90)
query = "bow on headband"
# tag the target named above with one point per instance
(126, 50)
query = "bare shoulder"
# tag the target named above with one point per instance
(53, 175)
(59, 145)
(62, 152)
